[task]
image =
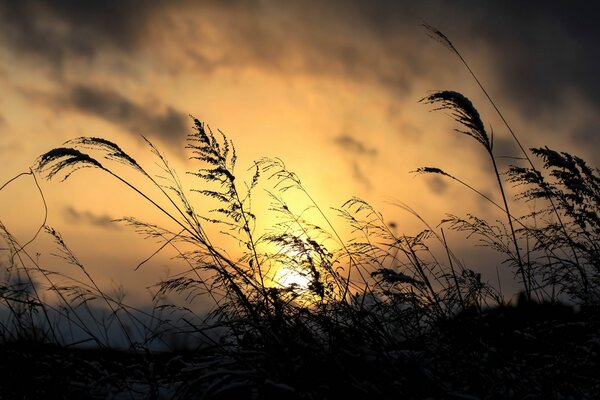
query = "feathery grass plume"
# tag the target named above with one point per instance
(438, 36)
(579, 184)
(445, 41)
(463, 112)
(302, 247)
(375, 248)
(114, 152)
(495, 236)
(62, 158)
(278, 171)
(432, 170)
(234, 206)
(305, 257)
(221, 160)
(287, 180)
(572, 189)
(439, 171)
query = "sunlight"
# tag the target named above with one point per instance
(287, 277)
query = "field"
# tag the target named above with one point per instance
(306, 310)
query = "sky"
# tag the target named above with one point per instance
(332, 88)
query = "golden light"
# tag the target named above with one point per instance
(287, 277)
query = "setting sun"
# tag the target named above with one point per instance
(289, 278)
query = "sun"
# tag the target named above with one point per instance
(287, 277)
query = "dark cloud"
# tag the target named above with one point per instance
(360, 176)
(354, 146)
(60, 29)
(586, 135)
(170, 126)
(507, 152)
(74, 216)
(506, 148)
(538, 49)
(291, 37)
(406, 130)
(330, 39)
(357, 152)
(541, 48)
(436, 184)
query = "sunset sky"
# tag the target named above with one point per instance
(331, 87)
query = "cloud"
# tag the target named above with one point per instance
(360, 176)
(74, 216)
(170, 126)
(541, 49)
(357, 151)
(330, 40)
(534, 51)
(436, 184)
(229, 34)
(354, 146)
(537, 50)
(57, 30)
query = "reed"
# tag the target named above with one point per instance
(378, 313)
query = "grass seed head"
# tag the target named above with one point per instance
(463, 112)
(63, 158)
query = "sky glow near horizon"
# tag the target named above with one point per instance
(332, 89)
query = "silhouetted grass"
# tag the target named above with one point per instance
(381, 314)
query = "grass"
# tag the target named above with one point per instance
(379, 314)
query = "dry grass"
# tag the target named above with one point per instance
(381, 315)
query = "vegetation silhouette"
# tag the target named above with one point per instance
(380, 316)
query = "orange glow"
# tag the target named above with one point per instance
(335, 98)
(289, 278)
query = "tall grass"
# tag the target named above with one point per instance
(367, 297)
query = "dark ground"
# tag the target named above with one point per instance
(525, 352)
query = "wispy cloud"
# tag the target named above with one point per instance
(357, 151)
(74, 216)
(436, 184)
(168, 125)
(352, 145)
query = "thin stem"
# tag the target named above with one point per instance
(350, 258)
(424, 276)
(213, 251)
(446, 41)
(512, 229)
(460, 298)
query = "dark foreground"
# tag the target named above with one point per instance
(534, 352)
